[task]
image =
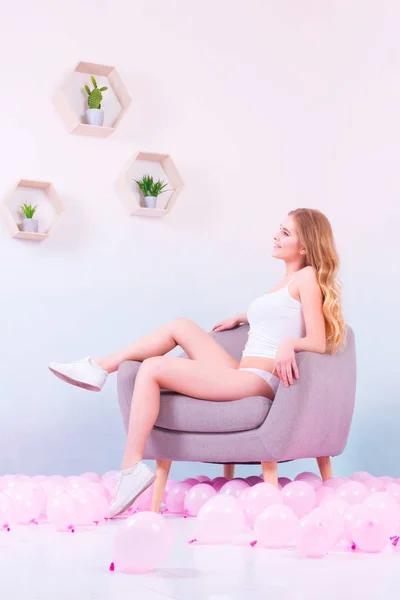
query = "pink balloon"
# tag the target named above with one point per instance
(387, 479)
(360, 476)
(218, 485)
(142, 543)
(145, 500)
(191, 480)
(176, 497)
(92, 476)
(109, 474)
(107, 494)
(323, 492)
(385, 507)
(310, 478)
(243, 495)
(34, 492)
(219, 521)
(234, 487)
(170, 484)
(336, 507)
(242, 501)
(196, 497)
(217, 479)
(276, 526)
(11, 483)
(77, 481)
(101, 500)
(25, 506)
(354, 492)
(300, 496)
(40, 496)
(258, 498)
(6, 510)
(21, 478)
(253, 480)
(336, 504)
(369, 531)
(335, 482)
(351, 515)
(373, 484)
(39, 478)
(61, 511)
(317, 534)
(393, 489)
(5, 480)
(110, 484)
(56, 478)
(49, 488)
(282, 481)
(84, 506)
(203, 478)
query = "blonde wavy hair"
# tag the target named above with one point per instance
(315, 234)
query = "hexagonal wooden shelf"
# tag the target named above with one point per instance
(71, 99)
(49, 211)
(160, 166)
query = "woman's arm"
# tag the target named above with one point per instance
(242, 318)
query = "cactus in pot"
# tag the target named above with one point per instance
(151, 190)
(28, 223)
(95, 114)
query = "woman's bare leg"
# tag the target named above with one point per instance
(188, 377)
(162, 472)
(196, 342)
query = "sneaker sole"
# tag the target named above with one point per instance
(81, 384)
(130, 502)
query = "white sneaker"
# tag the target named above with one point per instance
(132, 482)
(85, 373)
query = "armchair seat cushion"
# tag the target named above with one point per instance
(183, 413)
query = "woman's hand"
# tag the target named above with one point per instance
(285, 363)
(228, 324)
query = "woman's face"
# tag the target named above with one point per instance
(286, 243)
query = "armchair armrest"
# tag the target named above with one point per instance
(312, 417)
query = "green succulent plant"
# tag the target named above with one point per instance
(95, 95)
(28, 210)
(150, 187)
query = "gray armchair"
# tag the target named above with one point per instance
(309, 419)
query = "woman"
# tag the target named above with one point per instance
(301, 313)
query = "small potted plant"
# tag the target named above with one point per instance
(28, 223)
(95, 114)
(151, 190)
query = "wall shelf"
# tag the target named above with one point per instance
(160, 166)
(49, 211)
(71, 99)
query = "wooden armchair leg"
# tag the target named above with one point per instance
(270, 472)
(229, 471)
(325, 467)
(162, 472)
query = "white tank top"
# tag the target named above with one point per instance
(272, 318)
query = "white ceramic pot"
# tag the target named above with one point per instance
(95, 116)
(150, 201)
(30, 225)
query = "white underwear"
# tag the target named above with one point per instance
(273, 380)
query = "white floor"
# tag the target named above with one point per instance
(38, 563)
